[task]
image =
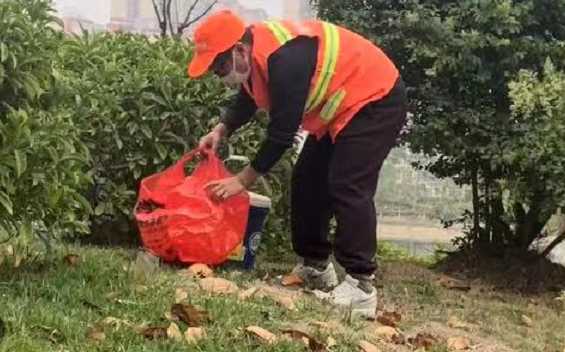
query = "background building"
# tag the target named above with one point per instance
(139, 16)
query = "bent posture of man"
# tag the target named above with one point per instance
(349, 96)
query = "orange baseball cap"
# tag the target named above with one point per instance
(214, 35)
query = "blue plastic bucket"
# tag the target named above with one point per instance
(258, 211)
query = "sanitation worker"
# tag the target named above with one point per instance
(348, 95)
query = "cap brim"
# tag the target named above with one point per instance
(200, 64)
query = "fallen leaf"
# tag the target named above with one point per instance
(422, 340)
(200, 271)
(387, 333)
(173, 332)
(189, 314)
(218, 285)
(292, 280)
(71, 259)
(389, 318)
(244, 295)
(263, 335)
(454, 284)
(331, 342)
(458, 343)
(192, 335)
(365, 346)
(180, 295)
(308, 340)
(456, 323)
(283, 297)
(527, 321)
(154, 332)
(95, 334)
(170, 317)
(316, 346)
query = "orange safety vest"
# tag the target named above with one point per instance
(350, 72)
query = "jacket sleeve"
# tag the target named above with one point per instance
(291, 69)
(240, 111)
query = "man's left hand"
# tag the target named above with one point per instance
(221, 190)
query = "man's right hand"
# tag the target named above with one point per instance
(212, 139)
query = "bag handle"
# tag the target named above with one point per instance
(205, 153)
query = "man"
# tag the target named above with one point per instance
(349, 96)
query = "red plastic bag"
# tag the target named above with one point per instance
(178, 220)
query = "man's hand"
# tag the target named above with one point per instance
(212, 139)
(223, 189)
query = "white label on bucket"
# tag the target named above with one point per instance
(254, 242)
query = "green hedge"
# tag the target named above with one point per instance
(104, 111)
(43, 162)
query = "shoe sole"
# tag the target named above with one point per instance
(366, 310)
(368, 313)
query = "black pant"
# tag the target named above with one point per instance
(340, 179)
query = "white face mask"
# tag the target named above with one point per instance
(234, 79)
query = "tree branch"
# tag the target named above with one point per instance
(156, 9)
(160, 18)
(189, 13)
(189, 23)
(170, 20)
(164, 26)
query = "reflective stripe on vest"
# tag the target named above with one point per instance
(331, 52)
(329, 63)
(330, 107)
(281, 33)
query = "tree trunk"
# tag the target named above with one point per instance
(531, 227)
(501, 230)
(170, 17)
(476, 205)
(163, 24)
(486, 237)
(160, 19)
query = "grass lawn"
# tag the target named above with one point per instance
(48, 305)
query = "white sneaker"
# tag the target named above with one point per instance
(348, 295)
(315, 279)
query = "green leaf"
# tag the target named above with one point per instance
(119, 142)
(21, 162)
(162, 151)
(4, 234)
(83, 201)
(99, 210)
(146, 131)
(3, 52)
(6, 203)
(157, 99)
(26, 229)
